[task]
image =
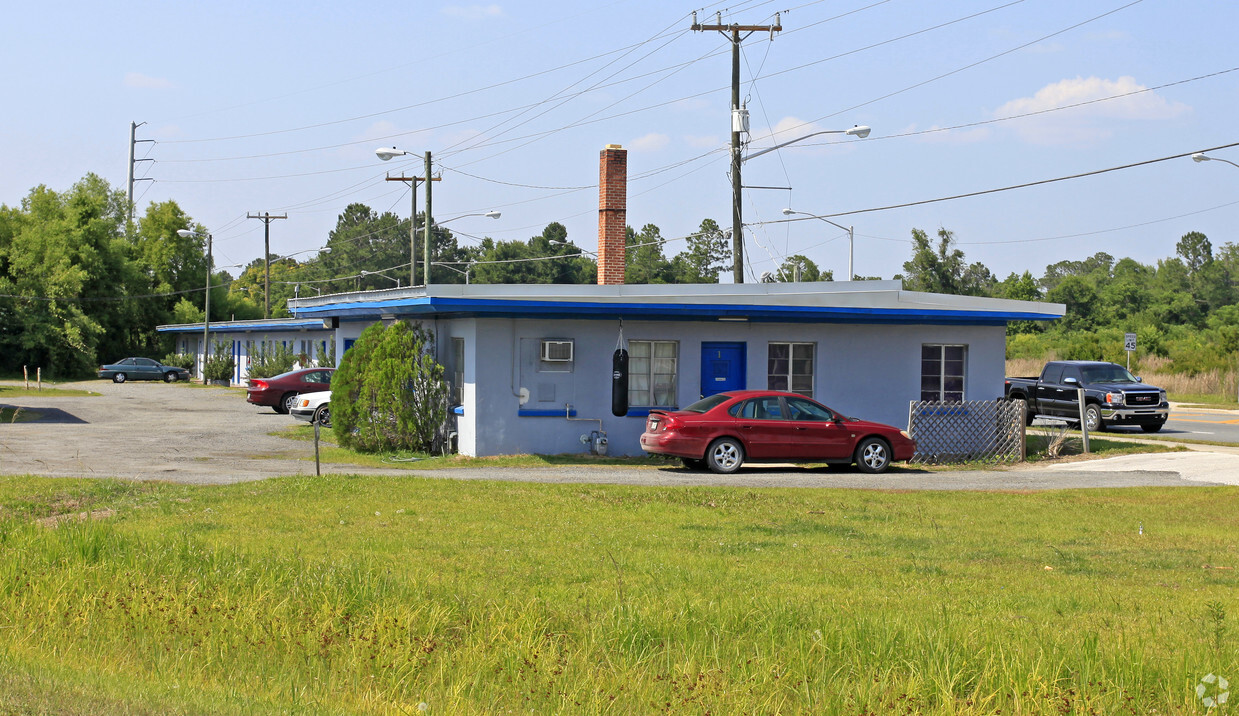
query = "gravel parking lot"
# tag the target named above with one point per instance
(197, 435)
(153, 431)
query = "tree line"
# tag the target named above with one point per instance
(79, 285)
(1183, 308)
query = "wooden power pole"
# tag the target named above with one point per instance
(266, 258)
(739, 123)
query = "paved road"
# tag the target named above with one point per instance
(197, 435)
(1203, 424)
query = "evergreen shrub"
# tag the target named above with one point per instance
(267, 361)
(220, 365)
(389, 392)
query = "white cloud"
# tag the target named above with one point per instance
(651, 142)
(1089, 122)
(141, 81)
(473, 12)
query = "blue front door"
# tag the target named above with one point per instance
(722, 367)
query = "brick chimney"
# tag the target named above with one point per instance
(612, 214)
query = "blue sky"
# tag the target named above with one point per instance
(279, 106)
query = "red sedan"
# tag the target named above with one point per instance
(281, 391)
(726, 430)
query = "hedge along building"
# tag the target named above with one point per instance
(531, 365)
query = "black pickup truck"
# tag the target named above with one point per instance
(1112, 395)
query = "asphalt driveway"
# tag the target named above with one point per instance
(200, 435)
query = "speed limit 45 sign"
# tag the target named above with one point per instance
(1129, 342)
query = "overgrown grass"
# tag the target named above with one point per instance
(375, 595)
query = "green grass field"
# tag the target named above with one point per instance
(347, 595)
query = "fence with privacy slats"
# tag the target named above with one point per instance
(967, 431)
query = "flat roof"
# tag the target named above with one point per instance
(264, 325)
(882, 302)
(827, 301)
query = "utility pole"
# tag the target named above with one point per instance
(266, 257)
(413, 182)
(133, 140)
(739, 123)
(428, 223)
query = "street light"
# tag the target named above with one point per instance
(468, 267)
(737, 214)
(789, 211)
(385, 154)
(857, 131)
(206, 311)
(1201, 157)
(492, 214)
(380, 273)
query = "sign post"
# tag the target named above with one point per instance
(1129, 345)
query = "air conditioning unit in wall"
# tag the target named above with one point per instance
(557, 351)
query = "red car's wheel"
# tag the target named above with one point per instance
(725, 455)
(873, 455)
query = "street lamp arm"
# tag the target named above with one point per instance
(789, 212)
(1202, 157)
(857, 131)
(492, 214)
(851, 235)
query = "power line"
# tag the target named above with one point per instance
(1009, 188)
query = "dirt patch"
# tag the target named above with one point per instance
(56, 520)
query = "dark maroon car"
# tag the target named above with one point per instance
(726, 430)
(280, 392)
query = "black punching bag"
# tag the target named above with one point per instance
(619, 383)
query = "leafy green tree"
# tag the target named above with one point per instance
(1080, 297)
(943, 269)
(801, 268)
(64, 254)
(644, 261)
(708, 253)
(1098, 266)
(1019, 287)
(532, 261)
(389, 393)
(1195, 250)
(364, 240)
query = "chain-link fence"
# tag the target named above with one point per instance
(967, 431)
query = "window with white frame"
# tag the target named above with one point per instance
(942, 372)
(790, 367)
(652, 367)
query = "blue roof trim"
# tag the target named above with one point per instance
(586, 310)
(223, 327)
